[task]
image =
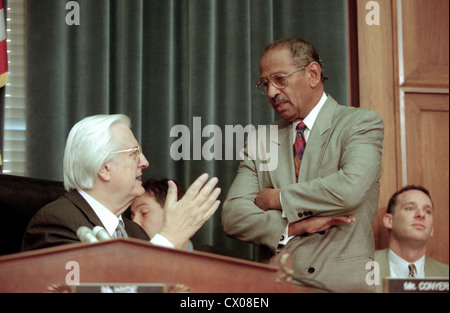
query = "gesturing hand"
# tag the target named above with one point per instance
(182, 218)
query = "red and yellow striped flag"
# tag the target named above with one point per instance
(3, 55)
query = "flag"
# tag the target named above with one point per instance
(3, 55)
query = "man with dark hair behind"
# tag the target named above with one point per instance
(147, 210)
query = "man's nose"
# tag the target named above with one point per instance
(272, 91)
(420, 213)
(143, 163)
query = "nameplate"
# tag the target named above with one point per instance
(119, 288)
(416, 285)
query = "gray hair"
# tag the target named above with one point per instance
(302, 52)
(89, 145)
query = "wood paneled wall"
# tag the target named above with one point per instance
(404, 75)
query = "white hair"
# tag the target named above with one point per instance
(89, 145)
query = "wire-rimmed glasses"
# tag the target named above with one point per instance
(277, 80)
(137, 149)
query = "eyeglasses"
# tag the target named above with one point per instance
(138, 149)
(277, 80)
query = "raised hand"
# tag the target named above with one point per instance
(183, 218)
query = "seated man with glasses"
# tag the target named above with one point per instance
(103, 164)
(320, 201)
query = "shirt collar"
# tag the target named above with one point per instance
(399, 266)
(310, 119)
(108, 219)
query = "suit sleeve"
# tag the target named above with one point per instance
(241, 218)
(348, 173)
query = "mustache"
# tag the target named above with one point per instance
(278, 99)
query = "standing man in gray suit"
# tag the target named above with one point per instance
(409, 220)
(324, 213)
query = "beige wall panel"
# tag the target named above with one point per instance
(403, 75)
(425, 43)
(377, 92)
(427, 150)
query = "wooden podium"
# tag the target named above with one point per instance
(139, 262)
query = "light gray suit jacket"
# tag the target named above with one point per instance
(433, 268)
(339, 175)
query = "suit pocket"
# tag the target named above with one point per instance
(351, 272)
(354, 258)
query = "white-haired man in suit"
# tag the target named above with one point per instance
(103, 163)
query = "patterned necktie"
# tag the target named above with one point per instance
(120, 231)
(299, 147)
(412, 270)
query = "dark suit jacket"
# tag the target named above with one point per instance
(57, 223)
(339, 175)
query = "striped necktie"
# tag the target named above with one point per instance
(120, 231)
(412, 270)
(299, 147)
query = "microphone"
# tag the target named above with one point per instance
(101, 233)
(86, 235)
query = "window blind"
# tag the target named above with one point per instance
(14, 156)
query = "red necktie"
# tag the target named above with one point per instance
(299, 147)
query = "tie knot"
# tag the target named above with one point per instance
(300, 128)
(120, 230)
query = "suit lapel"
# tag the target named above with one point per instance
(285, 168)
(385, 267)
(431, 268)
(315, 147)
(78, 200)
(318, 138)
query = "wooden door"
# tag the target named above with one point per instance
(403, 57)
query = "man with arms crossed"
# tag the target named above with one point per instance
(325, 215)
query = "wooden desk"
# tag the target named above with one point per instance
(137, 261)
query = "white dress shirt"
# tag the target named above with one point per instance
(111, 221)
(399, 266)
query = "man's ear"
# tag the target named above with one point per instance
(387, 220)
(104, 173)
(315, 73)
